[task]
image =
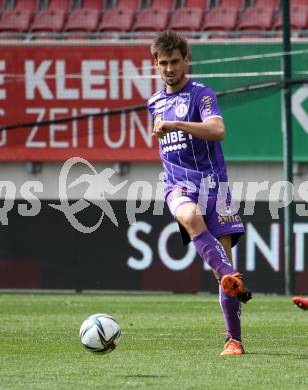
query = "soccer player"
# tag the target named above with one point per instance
(189, 126)
(302, 303)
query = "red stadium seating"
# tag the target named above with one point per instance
(25, 5)
(152, 19)
(63, 5)
(155, 17)
(298, 18)
(187, 19)
(298, 2)
(257, 19)
(53, 19)
(117, 20)
(231, 3)
(266, 3)
(86, 18)
(221, 19)
(202, 4)
(16, 21)
(83, 20)
(127, 4)
(93, 4)
(162, 4)
(49, 21)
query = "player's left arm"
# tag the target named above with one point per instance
(212, 129)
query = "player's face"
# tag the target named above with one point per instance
(172, 68)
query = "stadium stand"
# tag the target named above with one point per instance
(59, 4)
(298, 18)
(162, 4)
(18, 19)
(266, 3)
(299, 2)
(86, 18)
(117, 20)
(155, 17)
(32, 19)
(49, 21)
(152, 19)
(124, 4)
(221, 19)
(53, 18)
(98, 5)
(25, 5)
(120, 18)
(83, 20)
(238, 4)
(189, 16)
(257, 19)
(201, 4)
(187, 19)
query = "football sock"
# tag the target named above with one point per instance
(213, 253)
(231, 308)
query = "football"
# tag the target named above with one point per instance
(100, 333)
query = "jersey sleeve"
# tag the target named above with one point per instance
(150, 109)
(208, 105)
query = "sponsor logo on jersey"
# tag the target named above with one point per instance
(173, 141)
(207, 101)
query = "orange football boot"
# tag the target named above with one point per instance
(302, 303)
(233, 348)
(233, 285)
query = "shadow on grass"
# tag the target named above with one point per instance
(277, 354)
(144, 376)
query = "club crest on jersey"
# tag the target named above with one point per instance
(181, 110)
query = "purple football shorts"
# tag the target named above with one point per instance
(219, 224)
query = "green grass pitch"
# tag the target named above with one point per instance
(169, 342)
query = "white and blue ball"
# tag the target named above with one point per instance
(100, 333)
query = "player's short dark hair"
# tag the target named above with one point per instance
(168, 40)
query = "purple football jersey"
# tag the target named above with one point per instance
(189, 162)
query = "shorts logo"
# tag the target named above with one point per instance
(211, 181)
(177, 192)
(222, 219)
(181, 110)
